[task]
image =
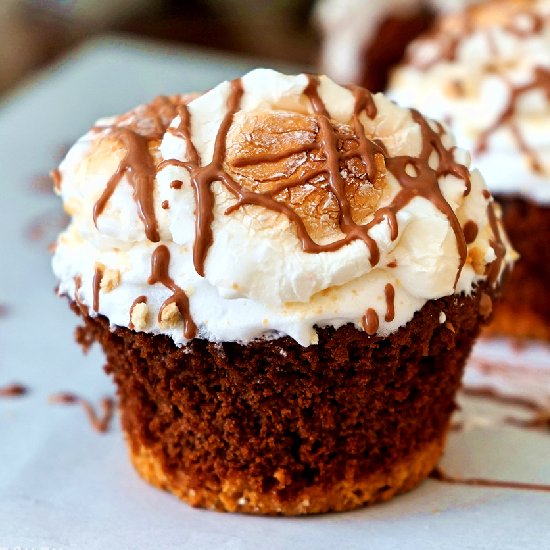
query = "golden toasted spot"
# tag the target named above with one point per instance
(110, 280)
(280, 153)
(476, 257)
(281, 476)
(140, 316)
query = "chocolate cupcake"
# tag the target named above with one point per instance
(485, 71)
(362, 40)
(283, 288)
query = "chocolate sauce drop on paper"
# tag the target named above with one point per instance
(99, 423)
(4, 310)
(160, 266)
(13, 390)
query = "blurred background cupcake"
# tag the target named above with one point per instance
(486, 72)
(364, 39)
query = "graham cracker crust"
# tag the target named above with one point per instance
(236, 495)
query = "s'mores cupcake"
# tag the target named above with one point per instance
(362, 40)
(286, 288)
(486, 72)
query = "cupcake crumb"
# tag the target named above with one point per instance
(170, 316)
(110, 280)
(451, 327)
(140, 316)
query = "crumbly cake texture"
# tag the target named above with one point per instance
(524, 310)
(274, 428)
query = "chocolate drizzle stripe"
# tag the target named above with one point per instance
(138, 166)
(96, 284)
(470, 231)
(203, 176)
(99, 423)
(371, 322)
(389, 292)
(425, 184)
(274, 157)
(160, 266)
(439, 475)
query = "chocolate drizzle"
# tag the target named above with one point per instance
(135, 130)
(160, 265)
(96, 284)
(415, 176)
(99, 423)
(424, 184)
(389, 293)
(470, 231)
(371, 322)
(202, 178)
(139, 168)
(425, 181)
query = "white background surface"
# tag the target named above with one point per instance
(64, 486)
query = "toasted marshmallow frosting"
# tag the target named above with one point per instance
(349, 27)
(269, 206)
(486, 72)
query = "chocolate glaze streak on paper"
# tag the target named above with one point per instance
(13, 390)
(439, 475)
(99, 423)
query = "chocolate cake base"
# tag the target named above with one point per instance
(524, 310)
(275, 428)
